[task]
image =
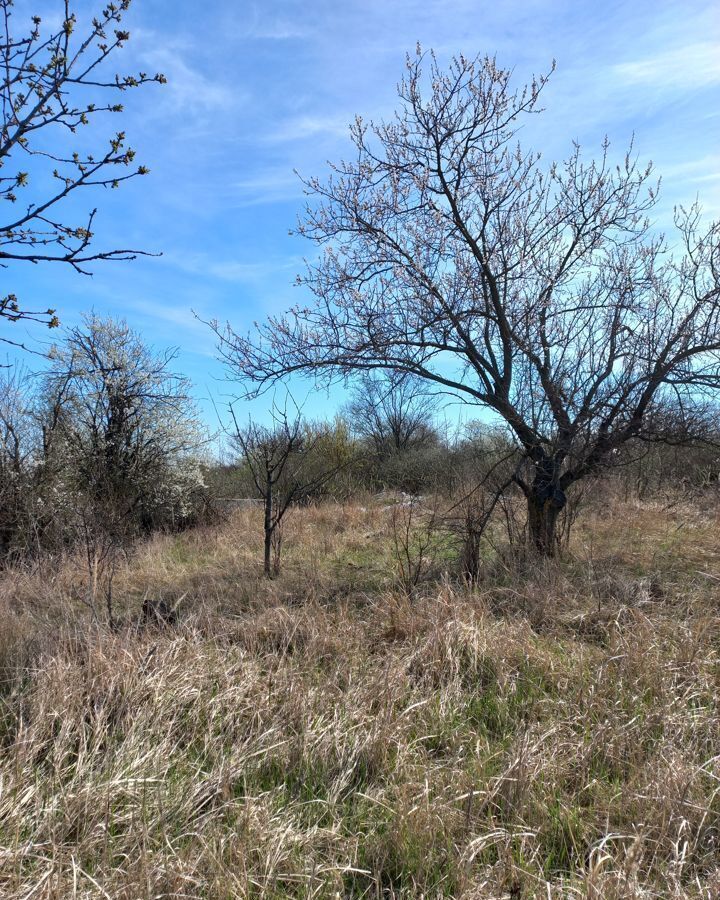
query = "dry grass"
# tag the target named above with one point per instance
(552, 734)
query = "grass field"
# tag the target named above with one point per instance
(551, 733)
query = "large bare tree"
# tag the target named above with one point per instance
(538, 291)
(54, 84)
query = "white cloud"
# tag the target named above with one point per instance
(254, 272)
(704, 169)
(299, 128)
(268, 186)
(187, 88)
(233, 270)
(190, 89)
(280, 187)
(263, 23)
(690, 66)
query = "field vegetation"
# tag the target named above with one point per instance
(549, 731)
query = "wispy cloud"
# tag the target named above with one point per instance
(175, 315)
(304, 127)
(188, 89)
(703, 169)
(268, 186)
(265, 23)
(689, 66)
(278, 30)
(234, 270)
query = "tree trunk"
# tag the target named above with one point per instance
(267, 565)
(544, 508)
(268, 530)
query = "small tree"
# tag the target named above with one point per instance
(539, 292)
(285, 470)
(52, 87)
(392, 418)
(413, 543)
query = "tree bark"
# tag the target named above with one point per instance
(267, 567)
(544, 508)
(268, 529)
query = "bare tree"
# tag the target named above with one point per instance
(395, 413)
(537, 291)
(53, 85)
(284, 470)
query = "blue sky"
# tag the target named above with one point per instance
(256, 90)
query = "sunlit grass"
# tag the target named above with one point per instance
(552, 733)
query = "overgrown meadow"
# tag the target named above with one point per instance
(551, 731)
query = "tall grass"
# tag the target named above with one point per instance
(553, 732)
